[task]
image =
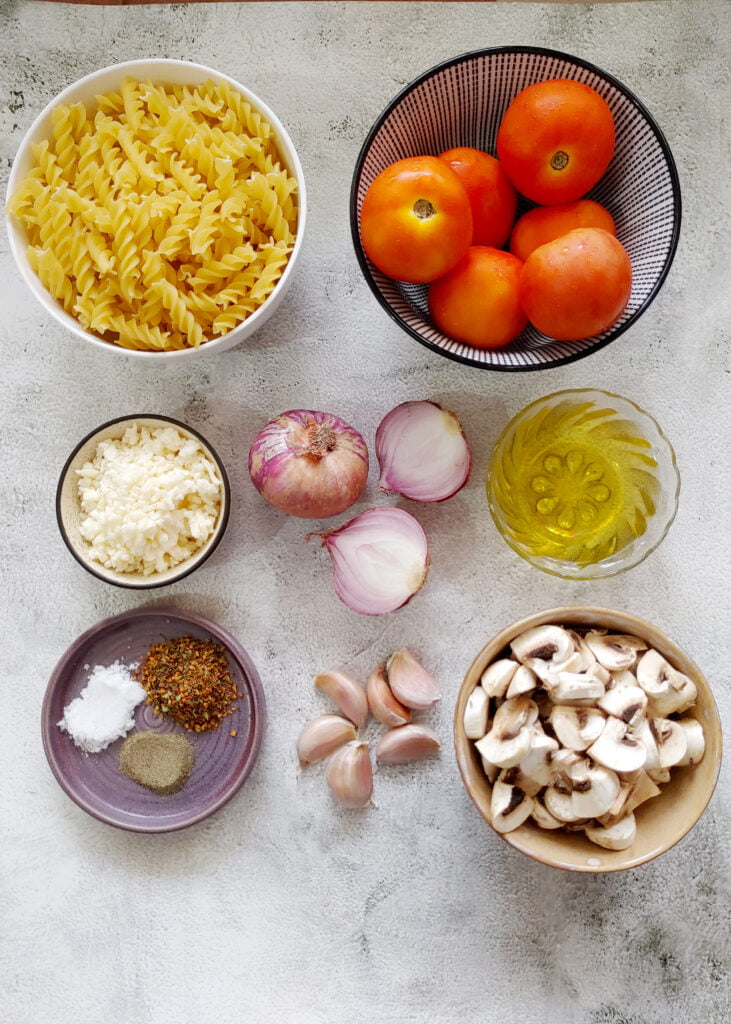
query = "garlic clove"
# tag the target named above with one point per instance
(350, 775)
(322, 736)
(346, 692)
(410, 681)
(422, 452)
(384, 705)
(407, 743)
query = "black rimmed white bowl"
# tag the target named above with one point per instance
(461, 103)
(70, 514)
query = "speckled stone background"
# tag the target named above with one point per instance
(280, 909)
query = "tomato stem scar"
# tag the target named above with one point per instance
(559, 160)
(423, 209)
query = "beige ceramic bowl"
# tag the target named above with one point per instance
(69, 515)
(662, 821)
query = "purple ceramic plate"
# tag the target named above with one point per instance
(95, 781)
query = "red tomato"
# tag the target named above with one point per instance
(478, 302)
(544, 223)
(555, 140)
(492, 196)
(416, 222)
(577, 285)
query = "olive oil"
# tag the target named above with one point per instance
(573, 482)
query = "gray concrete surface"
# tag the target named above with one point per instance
(280, 909)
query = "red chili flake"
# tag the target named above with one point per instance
(190, 680)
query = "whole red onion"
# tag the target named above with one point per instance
(309, 464)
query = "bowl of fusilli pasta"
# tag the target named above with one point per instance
(157, 208)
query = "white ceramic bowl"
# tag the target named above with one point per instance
(109, 79)
(69, 514)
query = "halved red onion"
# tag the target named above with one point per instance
(422, 452)
(380, 560)
(309, 464)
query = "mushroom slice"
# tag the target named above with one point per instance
(614, 651)
(582, 648)
(617, 837)
(696, 741)
(576, 728)
(574, 663)
(496, 677)
(628, 703)
(667, 689)
(631, 795)
(543, 643)
(617, 748)
(624, 676)
(509, 807)
(672, 744)
(594, 790)
(543, 817)
(491, 770)
(559, 804)
(537, 766)
(576, 686)
(475, 714)
(510, 738)
(562, 759)
(524, 681)
(515, 777)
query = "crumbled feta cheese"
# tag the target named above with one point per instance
(149, 500)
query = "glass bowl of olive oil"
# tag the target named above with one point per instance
(583, 484)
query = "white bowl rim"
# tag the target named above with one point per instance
(183, 569)
(49, 303)
(494, 51)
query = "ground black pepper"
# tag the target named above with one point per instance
(190, 680)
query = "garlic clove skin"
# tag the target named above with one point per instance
(410, 681)
(422, 452)
(407, 743)
(384, 705)
(321, 737)
(346, 692)
(350, 775)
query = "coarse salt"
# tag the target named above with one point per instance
(104, 710)
(149, 500)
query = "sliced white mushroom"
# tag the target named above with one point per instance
(617, 748)
(574, 663)
(641, 730)
(475, 714)
(543, 817)
(595, 789)
(509, 740)
(667, 689)
(614, 651)
(537, 765)
(671, 741)
(563, 759)
(576, 728)
(619, 836)
(623, 701)
(558, 804)
(515, 777)
(524, 681)
(624, 677)
(576, 686)
(491, 770)
(545, 643)
(582, 648)
(496, 677)
(695, 739)
(630, 796)
(509, 807)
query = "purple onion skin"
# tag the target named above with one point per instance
(309, 464)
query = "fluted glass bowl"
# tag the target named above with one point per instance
(583, 484)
